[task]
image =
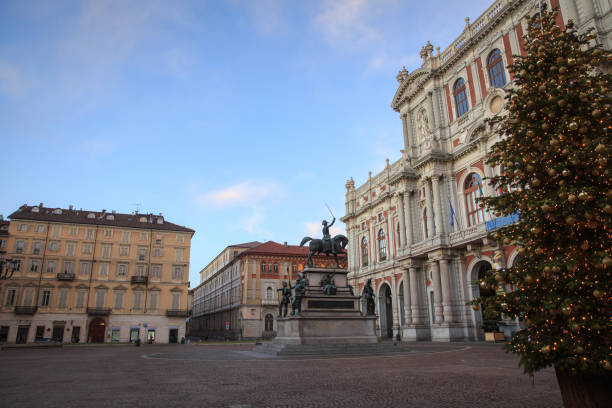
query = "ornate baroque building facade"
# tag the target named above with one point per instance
(238, 296)
(90, 276)
(415, 228)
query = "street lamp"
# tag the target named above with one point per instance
(7, 266)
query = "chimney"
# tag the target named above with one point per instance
(70, 207)
(41, 205)
(114, 212)
(286, 244)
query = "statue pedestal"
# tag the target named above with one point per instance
(327, 319)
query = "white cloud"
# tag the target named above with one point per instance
(246, 193)
(314, 229)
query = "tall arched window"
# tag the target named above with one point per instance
(364, 251)
(269, 322)
(472, 189)
(275, 267)
(495, 66)
(425, 230)
(382, 245)
(460, 93)
(263, 267)
(269, 293)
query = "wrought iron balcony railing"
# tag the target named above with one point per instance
(65, 276)
(98, 311)
(25, 310)
(138, 279)
(176, 313)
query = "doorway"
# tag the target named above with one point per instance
(96, 330)
(173, 336)
(58, 333)
(76, 334)
(386, 312)
(22, 334)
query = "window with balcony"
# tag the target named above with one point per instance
(176, 300)
(364, 251)
(472, 191)
(495, 67)
(460, 92)
(382, 244)
(100, 298)
(141, 270)
(269, 293)
(68, 267)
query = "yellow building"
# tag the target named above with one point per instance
(88, 276)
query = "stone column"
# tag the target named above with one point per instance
(588, 11)
(407, 300)
(373, 244)
(437, 284)
(438, 208)
(401, 213)
(414, 295)
(430, 210)
(408, 216)
(568, 8)
(407, 141)
(446, 291)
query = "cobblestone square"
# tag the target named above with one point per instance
(425, 375)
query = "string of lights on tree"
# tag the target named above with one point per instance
(555, 157)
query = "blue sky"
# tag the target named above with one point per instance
(224, 116)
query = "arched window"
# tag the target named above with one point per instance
(460, 93)
(364, 251)
(382, 245)
(472, 189)
(269, 322)
(275, 267)
(269, 293)
(263, 267)
(425, 230)
(495, 66)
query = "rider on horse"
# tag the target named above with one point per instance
(327, 236)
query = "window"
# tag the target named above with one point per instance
(28, 296)
(37, 248)
(124, 250)
(460, 93)
(495, 66)
(269, 322)
(141, 270)
(275, 267)
(177, 272)
(364, 251)
(23, 227)
(178, 252)
(54, 246)
(125, 236)
(73, 231)
(68, 267)
(122, 269)
(100, 298)
(157, 252)
(158, 239)
(18, 264)
(80, 299)
(110, 217)
(472, 189)
(294, 269)
(118, 299)
(51, 266)
(89, 234)
(103, 271)
(269, 294)
(62, 298)
(153, 296)
(143, 235)
(176, 300)
(399, 236)
(106, 251)
(87, 248)
(11, 294)
(382, 245)
(156, 271)
(70, 248)
(55, 231)
(46, 298)
(19, 247)
(425, 228)
(380, 217)
(142, 253)
(84, 268)
(108, 233)
(181, 238)
(39, 228)
(34, 265)
(91, 216)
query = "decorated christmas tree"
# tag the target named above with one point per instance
(555, 164)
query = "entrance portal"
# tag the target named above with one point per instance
(22, 334)
(386, 312)
(96, 330)
(173, 337)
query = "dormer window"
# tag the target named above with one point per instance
(57, 211)
(143, 219)
(160, 220)
(35, 209)
(110, 217)
(91, 216)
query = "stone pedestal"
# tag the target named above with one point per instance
(327, 319)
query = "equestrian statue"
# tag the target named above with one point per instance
(328, 245)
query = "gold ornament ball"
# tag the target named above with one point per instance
(536, 182)
(475, 307)
(607, 261)
(571, 198)
(547, 269)
(528, 278)
(556, 269)
(545, 349)
(530, 167)
(499, 278)
(607, 366)
(597, 293)
(596, 113)
(570, 220)
(584, 246)
(600, 148)
(566, 172)
(552, 172)
(583, 196)
(522, 251)
(573, 126)
(579, 349)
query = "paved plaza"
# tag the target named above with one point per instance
(424, 375)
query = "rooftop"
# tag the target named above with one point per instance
(74, 216)
(274, 248)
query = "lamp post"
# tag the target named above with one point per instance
(8, 266)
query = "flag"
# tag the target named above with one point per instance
(452, 214)
(480, 189)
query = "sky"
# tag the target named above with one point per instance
(238, 119)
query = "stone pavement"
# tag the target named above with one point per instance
(426, 375)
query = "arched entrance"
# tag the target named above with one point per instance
(96, 330)
(478, 272)
(385, 308)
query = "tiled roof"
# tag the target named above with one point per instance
(73, 216)
(274, 248)
(247, 244)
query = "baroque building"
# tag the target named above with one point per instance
(94, 276)
(416, 228)
(238, 296)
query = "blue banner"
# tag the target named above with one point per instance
(502, 222)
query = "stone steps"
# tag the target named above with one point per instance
(330, 349)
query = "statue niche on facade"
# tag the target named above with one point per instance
(301, 284)
(285, 299)
(328, 245)
(328, 284)
(368, 295)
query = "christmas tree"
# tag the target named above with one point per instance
(555, 173)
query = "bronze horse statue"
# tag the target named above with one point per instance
(336, 245)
